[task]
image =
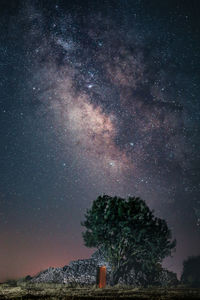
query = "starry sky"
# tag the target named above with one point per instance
(96, 97)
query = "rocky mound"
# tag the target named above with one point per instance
(84, 271)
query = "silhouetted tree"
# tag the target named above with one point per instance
(129, 235)
(191, 271)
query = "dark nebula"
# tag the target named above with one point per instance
(96, 97)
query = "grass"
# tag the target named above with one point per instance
(24, 290)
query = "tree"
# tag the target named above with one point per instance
(129, 235)
(191, 271)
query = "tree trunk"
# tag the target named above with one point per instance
(112, 279)
(115, 275)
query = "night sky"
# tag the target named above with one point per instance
(96, 97)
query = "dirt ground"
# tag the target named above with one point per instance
(60, 291)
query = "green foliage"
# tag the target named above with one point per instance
(191, 271)
(128, 233)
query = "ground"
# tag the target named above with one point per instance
(61, 291)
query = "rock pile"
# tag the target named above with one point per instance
(84, 271)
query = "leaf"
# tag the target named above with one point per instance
(120, 211)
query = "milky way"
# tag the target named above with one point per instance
(116, 99)
(119, 91)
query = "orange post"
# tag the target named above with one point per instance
(102, 277)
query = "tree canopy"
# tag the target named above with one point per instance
(128, 233)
